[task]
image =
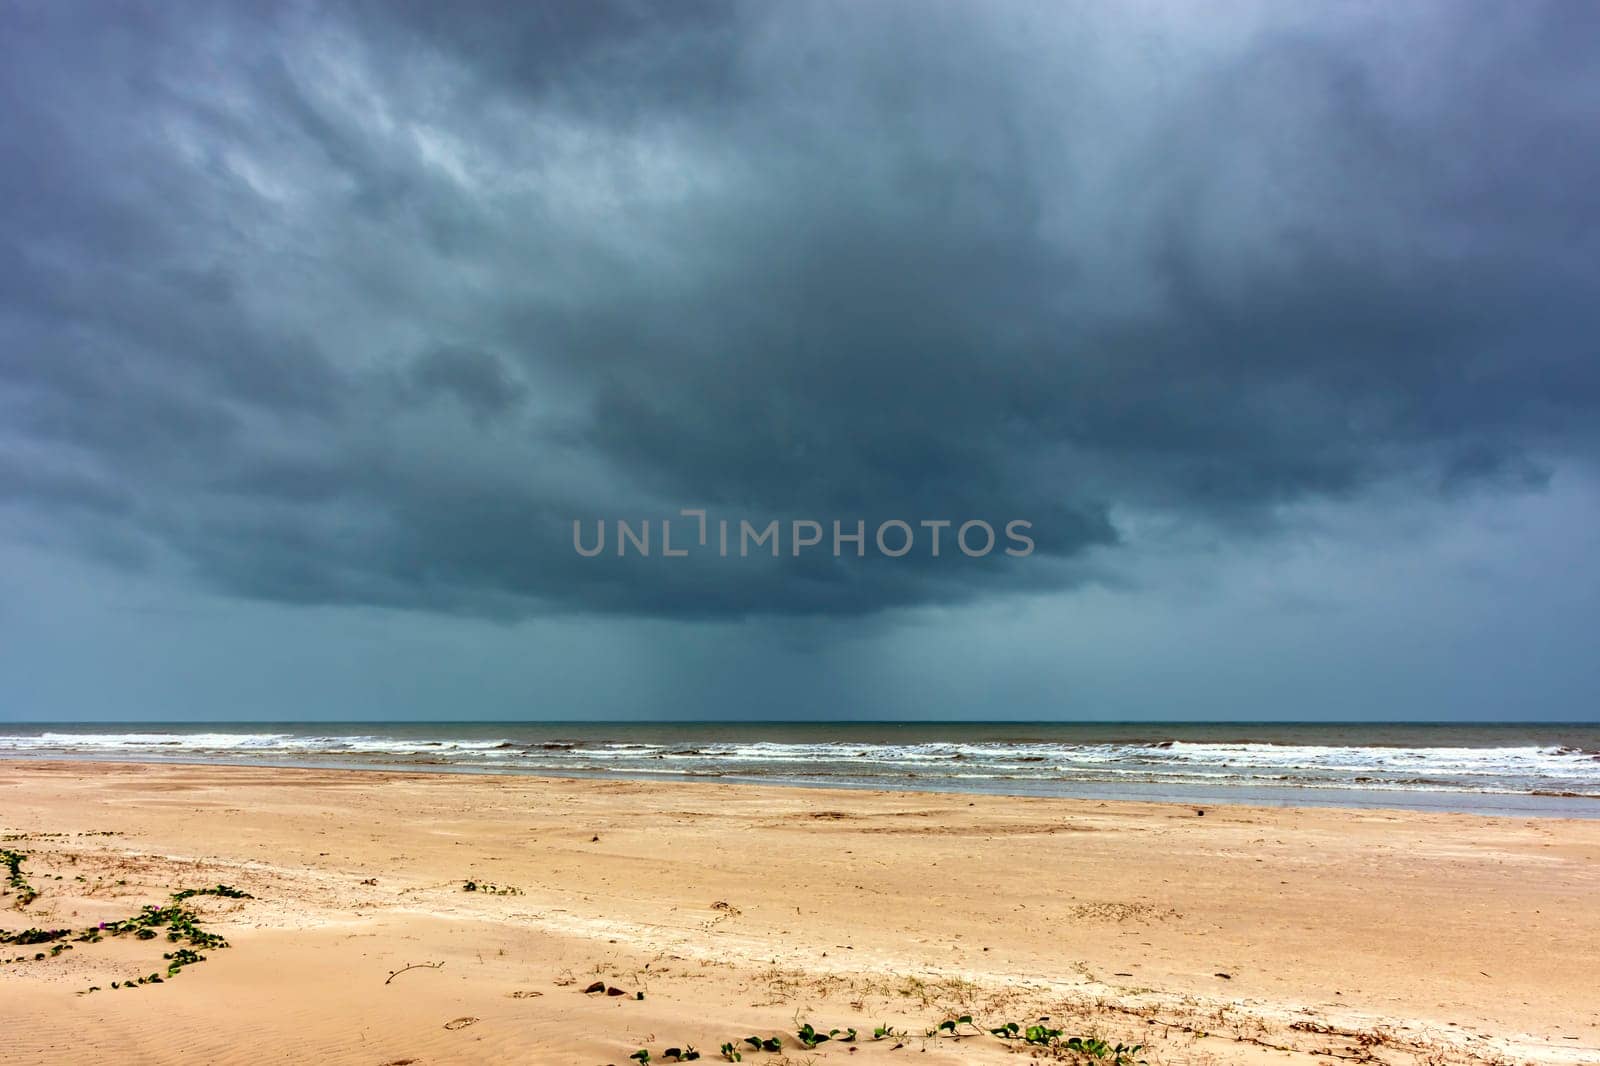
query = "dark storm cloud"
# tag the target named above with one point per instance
(366, 303)
(479, 380)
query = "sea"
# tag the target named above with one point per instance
(1491, 769)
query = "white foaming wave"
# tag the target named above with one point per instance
(774, 751)
(1498, 761)
(142, 741)
(245, 743)
(396, 746)
(1494, 769)
(1177, 757)
(1488, 769)
(613, 751)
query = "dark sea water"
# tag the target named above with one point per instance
(1508, 769)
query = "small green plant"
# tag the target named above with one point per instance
(1039, 1034)
(1118, 1054)
(771, 1043)
(14, 878)
(227, 891)
(810, 1038)
(642, 1055)
(34, 936)
(951, 1026)
(177, 960)
(730, 1053)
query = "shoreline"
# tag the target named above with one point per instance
(1279, 797)
(1249, 935)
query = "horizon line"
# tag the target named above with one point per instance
(805, 721)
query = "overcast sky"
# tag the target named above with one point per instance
(320, 324)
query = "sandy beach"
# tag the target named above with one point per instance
(719, 911)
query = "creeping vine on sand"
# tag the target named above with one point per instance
(181, 924)
(1082, 1048)
(14, 879)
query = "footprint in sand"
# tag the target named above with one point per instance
(459, 1023)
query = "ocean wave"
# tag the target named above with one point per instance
(1552, 769)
